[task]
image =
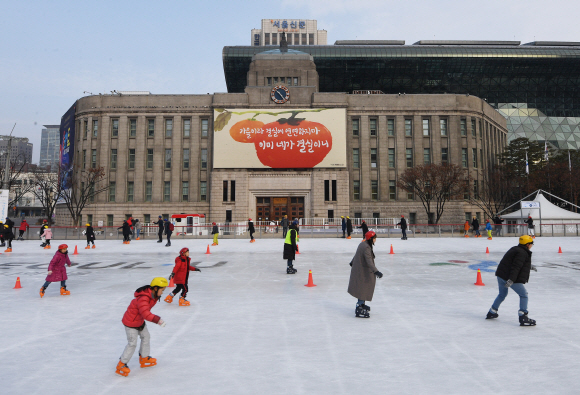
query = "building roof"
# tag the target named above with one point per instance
(369, 42)
(466, 42)
(52, 126)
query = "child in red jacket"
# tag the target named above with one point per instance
(134, 320)
(181, 275)
(57, 270)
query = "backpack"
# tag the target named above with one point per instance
(171, 227)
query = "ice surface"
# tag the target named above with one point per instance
(253, 329)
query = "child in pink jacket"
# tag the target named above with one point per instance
(57, 270)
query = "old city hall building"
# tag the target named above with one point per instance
(280, 147)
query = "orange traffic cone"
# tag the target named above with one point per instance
(479, 280)
(76, 251)
(559, 250)
(392, 252)
(171, 283)
(17, 286)
(207, 252)
(297, 250)
(310, 282)
(487, 250)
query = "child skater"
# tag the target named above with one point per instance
(47, 237)
(134, 320)
(181, 275)
(90, 236)
(57, 271)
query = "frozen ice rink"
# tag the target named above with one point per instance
(253, 329)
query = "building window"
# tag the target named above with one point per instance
(426, 156)
(355, 126)
(356, 190)
(274, 38)
(334, 197)
(391, 158)
(374, 190)
(95, 128)
(186, 127)
(443, 127)
(266, 38)
(149, 158)
(109, 219)
(147, 218)
(303, 38)
(444, 157)
(295, 81)
(425, 127)
(203, 158)
(130, 186)
(391, 127)
(150, 127)
(167, 191)
(410, 195)
(475, 190)
(412, 218)
(296, 39)
(409, 157)
(463, 127)
(311, 39)
(275, 81)
(131, 159)
(92, 193)
(326, 190)
(113, 159)
(84, 158)
(112, 190)
(86, 123)
(464, 157)
(355, 158)
(392, 190)
(185, 191)
(168, 158)
(474, 157)
(473, 131)
(168, 127)
(132, 127)
(186, 158)
(481, 157)
(232, 191)
(225, 191)
(203, 191)
(408, 127)
(268, 81)
(373, 127)
(204, 127)
(94, 158)
(373, 157)
(148, 191)
(115, 128)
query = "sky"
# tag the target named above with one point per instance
(51, 52)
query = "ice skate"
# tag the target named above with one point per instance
(9, 249)
(491, 315)
(169, 298)
(160, 241)
(214, 244)
(361, 312)
(93, 246)
(489, 238)
(147, 361)
(168, 245)
(291, 270)
(525, 320)
(42, 289)
(47, 247)
(42, 245)
(87, 247)
(349, 237)
(3, 244)
(123, 369)
(138, 238)
(367, 308)
(63, 291)
(183, 302)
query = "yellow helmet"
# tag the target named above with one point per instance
(5, 226)
(347, 217)
(342, 216)
(525, 239)
(88, 224)
(160, 282)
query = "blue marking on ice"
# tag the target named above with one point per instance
(484, 266)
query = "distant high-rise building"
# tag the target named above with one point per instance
(21, 151)
(50, 145)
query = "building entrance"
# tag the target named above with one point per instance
(275, 208)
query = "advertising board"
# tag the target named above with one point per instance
(67, 140)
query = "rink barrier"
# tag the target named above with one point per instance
(272, 229)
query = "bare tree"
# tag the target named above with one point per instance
(18, 166)
(435, 185)
(48, 190)
(81, 191)
(498, 188)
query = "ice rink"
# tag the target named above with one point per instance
(253, 329)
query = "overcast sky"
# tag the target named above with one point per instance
(53, 51)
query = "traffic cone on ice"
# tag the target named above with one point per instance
(559, 250)
(207, 252)
(479, 280)
(17, 286)
(392, 252)
(310, 282)
(297, 250)
(171, 283)
(487, 250)
(76, 251)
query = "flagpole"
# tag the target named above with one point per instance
(547, 160)
(570, 171)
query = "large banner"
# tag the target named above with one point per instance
(279, 138)
(67, 141)
(4, 199)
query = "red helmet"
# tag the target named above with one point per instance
(60, 247)
(370, 234)
(213, 223)
(183, 251)
(44, 220)
(402, 216)
(249, 219)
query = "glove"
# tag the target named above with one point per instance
(508, 283)
(379, 274)
(534, 268)
(171, 276)
(197, 270)
(161, 323)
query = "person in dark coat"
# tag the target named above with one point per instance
(8, 236)
(168, 232)
(364, 228)
(90, 236)
(126, 232)
(251, 230)
(475, 224)
(290, 249)
(10, 224)
(403, 225)
(41, 233)
(497, 222)
(363, 275)
(513, 272)
(348, 227)
(161, 229)
(284, 224)
(529, 221)
(343, 224)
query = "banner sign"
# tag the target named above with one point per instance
(67, 140)
(4, 199)
(280, 138)
(531, 204)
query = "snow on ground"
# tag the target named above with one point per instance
(253, 329)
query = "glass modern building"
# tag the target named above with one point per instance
(536, 86)
(50, 145)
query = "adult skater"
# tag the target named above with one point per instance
(168, 232)
(403, 225)
(57, 270)
(8, 236)
(475, 224)
(343, 226)
(498, 221)
(41, 233)
(364, 227)
(126, 232)
(180, 274)
(531, 227)
(2, 242)
(290, 249)
(284, 224)
(90, 233)
(466, 228)
(348, 227)
(215, 232)
(363, 275)
(513, 272)
(134, 319)
(251, 230)
(161, 225)
(488, 229)
(23, 228)
(138, 226)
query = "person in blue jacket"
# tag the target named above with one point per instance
(488, 229)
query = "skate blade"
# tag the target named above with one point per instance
(124, 374)
(529, 324)
(148, 364)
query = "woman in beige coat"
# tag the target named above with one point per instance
(363, 275)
